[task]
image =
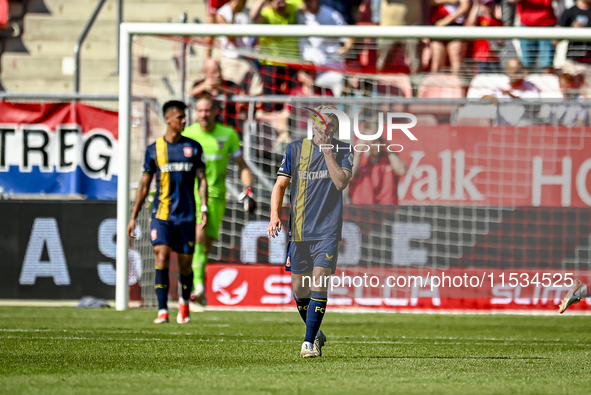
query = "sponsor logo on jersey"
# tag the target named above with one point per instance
(188, 151)
(313, 175)
(329, 257)
(212, 157)
(220, 145)
(176, 166)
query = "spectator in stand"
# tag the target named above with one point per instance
(485, 51)
(278, 78)
(508, 12)
(536, 54)
(448, 13)
(376, 174)
(219, 90)
(327, 53)
(514, 112)
(578, 56)
(234, 12)
(571, 112)
(212, 8)
(347, 8)
(234, 61)
(517, 87)
(399, 13)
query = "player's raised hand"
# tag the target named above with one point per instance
(274, 227)
(131, 228)
(323, 141)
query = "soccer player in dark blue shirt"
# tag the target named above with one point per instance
(176, 161)
(319, 170)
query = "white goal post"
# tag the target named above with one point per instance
(129, 30)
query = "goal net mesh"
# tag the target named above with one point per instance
(492, 182)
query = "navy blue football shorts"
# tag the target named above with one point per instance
(303, 256)
(180, 237)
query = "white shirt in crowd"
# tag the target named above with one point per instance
(527, 90)
(318, 50)
(240, 43)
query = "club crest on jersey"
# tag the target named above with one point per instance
(154, 234)
(188, 151)
(220, 145)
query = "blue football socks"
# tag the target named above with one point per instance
(161, 284)
(302, 305)
(316, 311)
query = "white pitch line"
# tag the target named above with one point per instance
(404, 338)
(222, 340)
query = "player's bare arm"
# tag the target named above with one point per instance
(247, 197)
(277, 195)
(245, 173)
(203, 196)
(140, 196)
(339, 177)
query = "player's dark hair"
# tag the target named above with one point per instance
(179, 105)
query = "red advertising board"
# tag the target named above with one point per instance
(266, 286)
(497, 166)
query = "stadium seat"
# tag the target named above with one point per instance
(438, 86)
(400, 80)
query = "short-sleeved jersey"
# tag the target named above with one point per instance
(175, 166)
(218, 146)
(316, 204)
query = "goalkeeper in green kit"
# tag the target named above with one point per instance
(219, 143)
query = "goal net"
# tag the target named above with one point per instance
(496, 179)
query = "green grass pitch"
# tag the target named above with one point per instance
(71, 351)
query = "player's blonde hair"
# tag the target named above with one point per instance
(328, 107)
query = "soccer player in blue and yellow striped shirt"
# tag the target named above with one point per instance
(176, 161)
(319, 170)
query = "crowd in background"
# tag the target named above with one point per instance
(328, 66)
(409, 56)
(316, 66)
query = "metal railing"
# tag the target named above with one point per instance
(82, 38)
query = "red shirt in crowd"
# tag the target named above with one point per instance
(375, 182)
(4, 14)
(536, 13)
(482, 52)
